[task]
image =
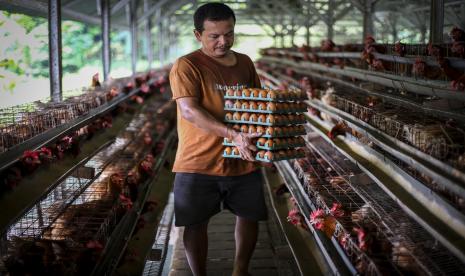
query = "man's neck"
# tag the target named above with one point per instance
(228, 59)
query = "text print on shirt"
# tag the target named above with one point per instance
(224, 88)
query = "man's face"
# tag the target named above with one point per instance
(217, 37)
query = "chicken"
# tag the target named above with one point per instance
(115, 185)
(88, 257)
(45, 155)
(419, 67)
(457, 34)
(132, 183)
(364, 239)
(339, 129)
(458, 48)
(147, 138)
(149, 206)
(296, 218)
(128, 87)
(378, 65)
(10, 178)
(336, 210)
(145, 169)
(30, 161)
(400, 48)
(327, 45)
(95, 81)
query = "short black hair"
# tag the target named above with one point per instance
(213, 12)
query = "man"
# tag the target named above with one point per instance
(205, 180)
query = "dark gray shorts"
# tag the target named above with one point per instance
(197, 197)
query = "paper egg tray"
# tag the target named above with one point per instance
(228, 97)
(266, 111)
(282, 145)
(265, 153)
(276, 134)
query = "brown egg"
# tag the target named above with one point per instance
(237, 127)
(238, 93)
(237, 104)
(300, 152)
(228, 116)
(253, 105)
(230, 92)
(282, 154)
(285, 107)
(270, 131)
(261, 154)
(279, 107)
(245, 93)
(269, 143)
(245, 116)
(271, 106)
(261, 141)
(229, 104)
(253, 118)
(260, 129)
(302, 106)
(269, 155)
(290, 153)
(245, 105)
(227, 150)
(252, 128)
(301, 128)
(290, 117)
(284, 95)
(263, 94)
(237, 116)
(299, 140)
(235, 151)
(244, 128)
(270, 118)
(254, 93)
(281, 119)
(278, 130)
(298, 94)
(262, 118)
(227, 140)
(272, 95)
(277, 142)
(261, 106)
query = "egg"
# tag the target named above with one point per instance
(227, 151)
(277, 142)
(252, 128)
(254, 93)
(261, 106)
(301, 118)
(278, 130)
(229, 104)
(253, 118)
(282, 154)
(269, 131)
(228, 116)
(272, 95)
(271, 106)
(290, 153)
(302, 106)
(235, 151)
(260, 129)
(279, 107)
(285, 107)
(269, 143)
(269, 155)
(292, 95)
(245, 93)
(270, 119)
(300, 152)
(261, 141)
(253, 105)
(289, 142)
(299, 140)
(280, 119)
(262, 118)
(301, 129)
(237, 116)
(245, 105)
(290, 118)
(238, 93)
(236, 127)
(298, 94)
(230, 92)
(261, 154)
(237, 104)
(244, 128)
(263, 94)
(245, 117)
(284, 95)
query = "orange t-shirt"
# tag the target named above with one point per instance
(198, 75)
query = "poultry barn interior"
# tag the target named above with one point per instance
(363, 166)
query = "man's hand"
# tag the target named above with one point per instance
(243, 142)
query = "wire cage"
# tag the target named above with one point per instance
(407, 247)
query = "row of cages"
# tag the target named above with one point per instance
(372, 230)
(67, 230)
(23, 122)
(443, 62)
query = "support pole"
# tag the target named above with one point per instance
(54, 41)
(148, 36)
(106, 54)
(436, 21)
(133, 20)
(161, 46)
(368, 19)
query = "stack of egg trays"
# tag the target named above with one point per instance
(268, 100)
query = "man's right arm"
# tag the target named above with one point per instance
(200, 118)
